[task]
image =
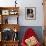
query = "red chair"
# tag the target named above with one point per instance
(29, 33)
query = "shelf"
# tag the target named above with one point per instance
(7, 16)
(11, 41)
(10, 26)
(9, 10)
(6, 12)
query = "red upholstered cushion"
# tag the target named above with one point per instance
(29, 33)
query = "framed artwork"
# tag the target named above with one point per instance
(5, 12)
(30, 13)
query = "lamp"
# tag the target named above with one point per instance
(15, 30)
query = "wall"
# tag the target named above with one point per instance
(39, 13)
(27, 3)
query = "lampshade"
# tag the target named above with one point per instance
(15, 30)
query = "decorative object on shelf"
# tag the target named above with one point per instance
(15, 30)
(7, 34)
(15, 3)
(15, 34)
(9, 10)
(15, 37)
(13, 12)
(30, 13)
(5, 12)
(6, 21)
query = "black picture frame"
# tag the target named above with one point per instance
(30, 13)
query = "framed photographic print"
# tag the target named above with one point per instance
(5, 12)
(30, 13)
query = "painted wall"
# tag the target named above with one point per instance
(26, 3)
(39, 13)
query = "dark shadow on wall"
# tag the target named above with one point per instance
(37, 29)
